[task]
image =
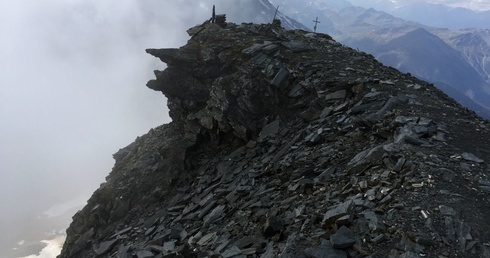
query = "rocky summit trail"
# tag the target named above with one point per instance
(288, 144)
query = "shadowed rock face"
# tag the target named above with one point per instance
(286, 143)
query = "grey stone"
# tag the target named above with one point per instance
(338, 95)
(269, 251)
(294, 246)
(389, 105)
(409, 255)
(272, 226)
(295, 46)
(252, 50)
(269, 130)
(450, 232)
(364, 158)
(280, 78)
(407, 134)
(169, 246)
(231, 252)
(207, 239)
(446, 210)
(337, 211)
(471, 157)
(375, 224)
(270, 48)
(214, 214)
(343, 238)
(325, 250)
(122, 232)
(144, 254)
(105, 247)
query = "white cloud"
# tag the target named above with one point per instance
(72, 92)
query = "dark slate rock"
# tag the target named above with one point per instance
(269, 130)
(343, 238)
(401, 120)
(296, 91)
(295, 46)
(294, 246)
(269, 251)
(123, 252)
(144, 254)
(485, 186)
(246, 241)
(273, 226)
(270, 48)
(175, 56)
(344, 221)
(424, 239)
(338, 95)
(104, 247)
(471, 157)
(450, 231)
(280, 77)
(325, 250)
(337, 211)
(446, 210)
(231, 252)
(250, 51)
(364, 158)
(409, 255)
(447, 175)
(389, 105)
(399, 165)
(407, 134)
(375, 224)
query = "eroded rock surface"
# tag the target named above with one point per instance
(286, 143)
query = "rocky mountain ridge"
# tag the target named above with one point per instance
(289, 144)
(462, 72)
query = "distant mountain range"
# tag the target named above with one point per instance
(457, 61)
(441, 13)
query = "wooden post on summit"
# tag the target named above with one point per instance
(316, 22)
(276, 22)
(275, 14)
(213, 17)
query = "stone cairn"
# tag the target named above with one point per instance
(219, 19)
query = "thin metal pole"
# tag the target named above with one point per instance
(275, 13)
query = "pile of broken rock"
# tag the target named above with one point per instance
(286, 143)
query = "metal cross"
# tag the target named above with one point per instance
(316, 22)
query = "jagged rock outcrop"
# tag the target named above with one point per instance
(286, 143)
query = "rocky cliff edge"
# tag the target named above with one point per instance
(286, 143)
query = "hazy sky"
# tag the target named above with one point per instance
(72, 92)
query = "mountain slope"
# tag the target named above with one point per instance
(427, 56)
(286, 143)
(470, 14)
(455, 62)
(474, 45)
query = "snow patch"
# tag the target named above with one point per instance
(52, 249)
